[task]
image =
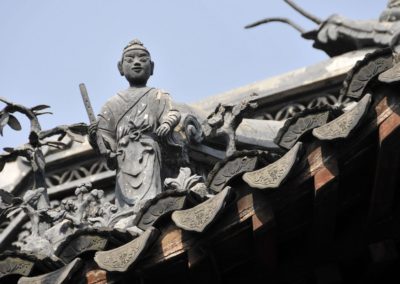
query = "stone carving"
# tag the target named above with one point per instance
(392, 13)
(25, 232)
(35, 201)
(392, 75)
(90, 240)
(337, 34)
(8, 202)
(365, 72)
(130, 131)
(193, 130)
(232, 167)
(200, 217)
(17, 263)
(124, 257)
(71, 212)
(132, 125)
(82, 244)
(345, 124)
(90, 209)
(60, 276)
(224, 121)
(301, 124)
(12, 265)
(40, 220)
(174, 198)
(81, 171)
(184, 182)
(275, 173)
(164, 203)
(32, 151)
(292, 109)
(50, 226)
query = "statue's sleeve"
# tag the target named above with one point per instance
(106, 127)
(168, 114)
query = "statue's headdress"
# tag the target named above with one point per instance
(135, 44)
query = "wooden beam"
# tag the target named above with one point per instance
(325, 204)
(387, 170)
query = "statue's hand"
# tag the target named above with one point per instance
(163, 130)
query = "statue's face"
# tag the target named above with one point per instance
(137, 66)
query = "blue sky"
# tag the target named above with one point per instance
(200, 48)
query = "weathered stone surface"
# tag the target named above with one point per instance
(131, 126)
(224, 120)
(124, 257)
(198, 218)
(184, 181)
(365, 71)
(298, 126)
(257, 132)
(301, 124)
(274, 174)
(82, 244)
(337, 34)
(14, 265)
(344, 125)
(90, 240)
(391, 75)
(231, 167)
(155, 208)
(60, 276)
(19, 263)
(289, 86)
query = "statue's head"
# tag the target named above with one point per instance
(136, 64)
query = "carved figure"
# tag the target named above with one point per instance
(131, 125)
(337, 34)
(224, 121)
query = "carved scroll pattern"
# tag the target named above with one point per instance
(199, 217)
(301, 127)
(76, 173)
(163, 206)
(231, 170)
(82, 244)
(274, 174)
(291, 110)
(12, 265)
(62, 275)
(121, 258)
(342, 126)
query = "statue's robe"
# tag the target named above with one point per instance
(127, 124)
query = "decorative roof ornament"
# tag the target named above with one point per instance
(392, 12)
(393, 3)
(337, 35)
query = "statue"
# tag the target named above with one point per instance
(337, 34)
(132, 125)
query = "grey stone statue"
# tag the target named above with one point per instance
(337, 34)
(132, 125)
